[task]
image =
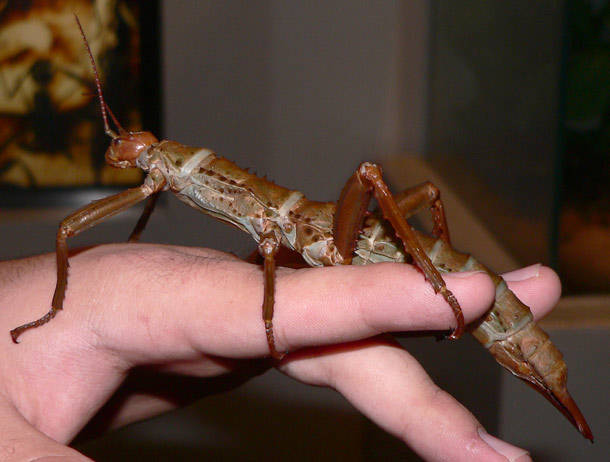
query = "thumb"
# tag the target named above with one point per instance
(19, 440)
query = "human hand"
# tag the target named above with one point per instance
(197, 312)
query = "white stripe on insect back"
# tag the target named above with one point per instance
(508, 329)
(294, 197)
(471, 264)
(194, 161)
(289, 230)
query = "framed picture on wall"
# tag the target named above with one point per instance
(52, 139)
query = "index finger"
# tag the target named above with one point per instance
(191, 301)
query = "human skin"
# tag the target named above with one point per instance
(190, 315)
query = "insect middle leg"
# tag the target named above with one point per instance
(352, 208)
(268, 248)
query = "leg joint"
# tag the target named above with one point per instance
(369, 171)
(434, 193)
(64, 231)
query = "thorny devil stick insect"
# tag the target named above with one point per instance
(324, 234)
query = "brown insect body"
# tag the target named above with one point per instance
(218, 187)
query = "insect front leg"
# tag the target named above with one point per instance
(352, 207)
(79, 221)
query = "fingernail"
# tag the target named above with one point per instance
(524, 458)
(512, 453)
(465, 274)
(522, 274)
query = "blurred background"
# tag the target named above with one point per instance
(505, 105)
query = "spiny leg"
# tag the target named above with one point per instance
(143, 220)
(268, 248)
(351, 209)
(82, 219)
(372, 174)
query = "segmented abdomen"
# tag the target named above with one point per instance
(507, 330)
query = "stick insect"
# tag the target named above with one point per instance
(324, 234)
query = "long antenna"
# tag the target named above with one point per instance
(103, 105)
(122, 131)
